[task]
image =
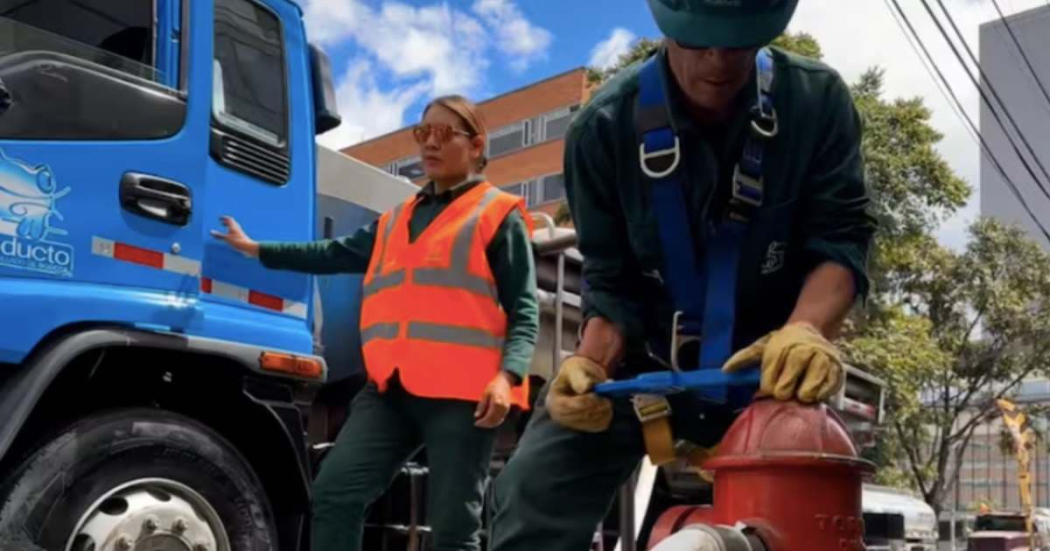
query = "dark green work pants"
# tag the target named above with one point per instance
(380, 435)
(561, 483)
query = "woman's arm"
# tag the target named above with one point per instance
(512, 264)
(349, 254)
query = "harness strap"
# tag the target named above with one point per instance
(704, 297)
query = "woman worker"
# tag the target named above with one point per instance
(448, 326)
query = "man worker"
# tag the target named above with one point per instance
(719, 198)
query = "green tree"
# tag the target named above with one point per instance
(640, 50)
(957, 332)
(800, 43)
(563, 216)
(948, 331)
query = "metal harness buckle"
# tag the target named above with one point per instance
(650, 407)
(747, 189)
(678, 340)
(645, 157)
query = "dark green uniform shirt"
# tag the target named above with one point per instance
(814, 208)
(509, 255)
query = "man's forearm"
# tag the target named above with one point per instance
(826, 299)
(602, 342)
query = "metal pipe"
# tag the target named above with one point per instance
(628, 539)
(555, 243)
(547, 220)
(559, 297)
(690, 540)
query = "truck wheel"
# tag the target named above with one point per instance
(136, 479)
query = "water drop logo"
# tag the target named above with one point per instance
(28, 207)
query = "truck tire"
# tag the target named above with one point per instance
(136, 479)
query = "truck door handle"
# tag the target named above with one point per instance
(156, 198)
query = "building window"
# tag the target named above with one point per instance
(249, 71)
(553, 188)
(411, 168)
(537, 192)
(556, 124)
(515, 189)
(510, 138)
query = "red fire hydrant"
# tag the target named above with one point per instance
(787, 478)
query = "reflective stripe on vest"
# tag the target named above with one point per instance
(380, 331)
(453, 334)
(385, 281)
(457, 275)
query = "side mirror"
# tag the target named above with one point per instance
(326, 113)
(5, 98)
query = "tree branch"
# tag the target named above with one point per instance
(913, 461)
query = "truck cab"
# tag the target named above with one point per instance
(153, 382)
(1007, 531)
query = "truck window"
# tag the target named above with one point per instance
(84, 69)
(1000, 523)
(116, 34)
(250, 91)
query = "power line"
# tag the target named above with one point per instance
(984, 96)
(983, 143)
(947, 94)
(1024, 56)
(975, 132)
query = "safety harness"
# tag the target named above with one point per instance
(704, 298)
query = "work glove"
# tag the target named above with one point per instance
(570, 400)
(796, 353)
(696, 458)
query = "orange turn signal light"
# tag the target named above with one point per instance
(291, 365)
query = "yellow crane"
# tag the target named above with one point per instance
(1024, 440)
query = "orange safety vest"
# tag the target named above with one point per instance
(430, 308)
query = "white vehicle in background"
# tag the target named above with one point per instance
(920, 521)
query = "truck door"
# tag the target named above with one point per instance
(260, 170)
(102, 161)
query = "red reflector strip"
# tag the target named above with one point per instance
(137, 255)
(266, 301)
(255, 298)
(132, 254)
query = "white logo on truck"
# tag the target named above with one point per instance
(28, 206)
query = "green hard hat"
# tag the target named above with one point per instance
(722, 23)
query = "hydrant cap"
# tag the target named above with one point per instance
(773, 428)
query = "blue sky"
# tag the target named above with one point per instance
(390, 56)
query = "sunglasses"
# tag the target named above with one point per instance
(443, 133)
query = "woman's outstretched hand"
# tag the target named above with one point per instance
(236, 237)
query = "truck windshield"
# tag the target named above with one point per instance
(116, 33)
(999, 523)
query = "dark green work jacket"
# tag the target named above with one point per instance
(815, 207)
(509, 255)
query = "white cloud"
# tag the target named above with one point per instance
(516, 36)
(859, 34)
(421, 51)
(368, 111)
(607, 52)
(436, 43)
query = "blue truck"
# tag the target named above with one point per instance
(157, 390)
